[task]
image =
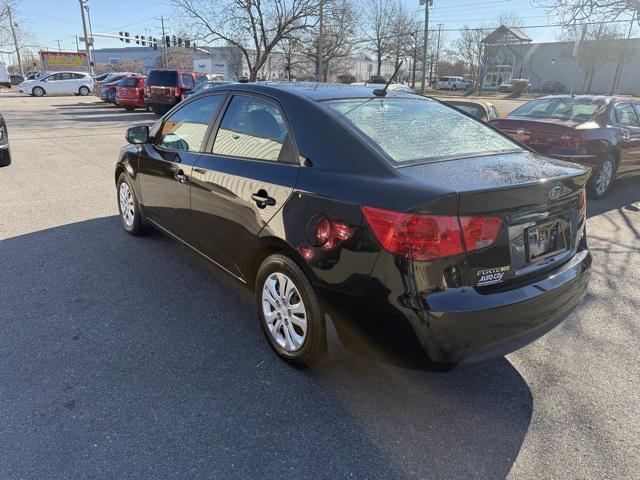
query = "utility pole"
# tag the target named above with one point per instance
(86, 37)
(165, 63)
(415, 57)
(426, 40)
(15, 40)
(59, 47)
(440, 25)
(93, 47)
(77, 44)
(320, 48)
(623, 54)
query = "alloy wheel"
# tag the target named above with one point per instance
(127, 209)
(605, 174)
(284, 311)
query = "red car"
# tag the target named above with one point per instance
(130, 93)
(597, 131)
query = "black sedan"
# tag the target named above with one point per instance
(393, 223)
(5, 151)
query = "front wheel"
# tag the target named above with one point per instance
(290, 313)
(454, 88)
(602, 178)
(130, 213)
(84, 91)
(38, 92)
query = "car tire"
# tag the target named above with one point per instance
(38, 92)
(131, 215)
(129, 109)
(301, 343)
(454, 87)
(602, 178)
(84, 91)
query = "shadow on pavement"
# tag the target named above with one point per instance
(127, 357)
(623, 195)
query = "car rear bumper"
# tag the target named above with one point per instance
(463, 325)
(161, 101)
(130, 102)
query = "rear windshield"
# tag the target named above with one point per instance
(129, 82)
(163, 78)
(576, 109)
(420, 130)
(471, 109)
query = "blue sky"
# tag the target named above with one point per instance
(53, 20)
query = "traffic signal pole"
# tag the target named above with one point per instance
(86, 37)
(164, 47)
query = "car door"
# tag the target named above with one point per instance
(246, 176)
(628, 137)
(51, 84)
(165, 166)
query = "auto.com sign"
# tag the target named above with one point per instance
(57, 61)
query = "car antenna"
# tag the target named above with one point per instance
(382, 92)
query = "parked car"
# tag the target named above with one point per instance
(5, 79)
(554, 87)
(457, 245)
(16, 79)
(108, 88)
(107, 78)
(59, 83)
(5, 151)
(597, 131)
(130, 92)
(452, 83)
(164, 88)
(201, 86)
(485, 111)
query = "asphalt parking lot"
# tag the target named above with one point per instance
(126, 357)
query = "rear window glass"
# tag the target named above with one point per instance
(580, 110)
(163, 78)
(474, 110)
(420, 131)
(129, 82)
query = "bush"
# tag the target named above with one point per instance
(520, 85)
(346, 78)
(377, 79)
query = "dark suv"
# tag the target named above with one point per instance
(164, 89)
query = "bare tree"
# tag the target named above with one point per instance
(510, 19)
(338, 39)
(471, 50)
(378, 24)
(598, 47)
(177, 59)
(574, 12)
(400, 31)
(255, 27)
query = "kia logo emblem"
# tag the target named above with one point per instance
(555, 193)
(520, 131)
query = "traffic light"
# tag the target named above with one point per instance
(126, 37)
(167, 41)
(121, 35)
(142, 41)
(179, 41)
(187, 43)
(175, 41)
(137, 40)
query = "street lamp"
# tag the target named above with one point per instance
(93, 47)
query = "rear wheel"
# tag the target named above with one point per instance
(602, 178)
(454, 87)
(129, 109)
(289, 311)
(84, 91)
(38, 92)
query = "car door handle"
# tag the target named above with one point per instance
(181, 177)
(262, 199)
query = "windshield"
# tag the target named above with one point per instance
(163, 78)
(575, 109)
(419, 130)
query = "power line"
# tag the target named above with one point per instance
(550, 25)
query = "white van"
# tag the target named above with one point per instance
(5, 79)
(452, 83)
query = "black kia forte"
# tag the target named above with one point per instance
(388, 222)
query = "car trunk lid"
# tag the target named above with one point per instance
(539, 201)
(542, 135)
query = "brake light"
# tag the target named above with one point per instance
(177, 91)
(430, 237)
(570, 139)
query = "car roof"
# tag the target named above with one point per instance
(602, 98)
(316, 91)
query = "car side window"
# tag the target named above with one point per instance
(78, 76)
(251, 128)
(625, 115)
(66, 76)
(187, 81)
(52, 78)
(186, 129)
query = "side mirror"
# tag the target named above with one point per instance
(138, 135)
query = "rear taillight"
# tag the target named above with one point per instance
(177, 91)
(430, 237)
(570, 139)
(147, 90)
